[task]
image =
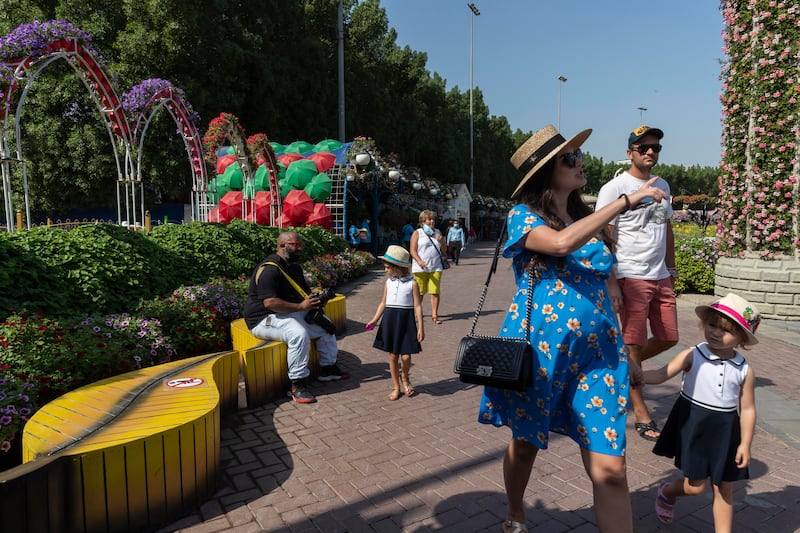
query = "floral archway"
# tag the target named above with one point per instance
(29, 49)
(249, 154)
(26, 51)
(141, 104)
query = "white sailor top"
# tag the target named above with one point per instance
(400, 292)
(712, 382)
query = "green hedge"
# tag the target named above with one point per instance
(106, 268)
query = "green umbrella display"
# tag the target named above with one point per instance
(319, 188)
(328, 145)
(300, 172)
(299, 147)
(217, 188)
(284, 187)
(278, 148)
(261, 178)
(234, 175)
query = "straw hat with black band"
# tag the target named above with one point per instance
(540, 148)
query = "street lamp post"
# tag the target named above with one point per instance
(475, 13)
(561, 80)
(641, 114)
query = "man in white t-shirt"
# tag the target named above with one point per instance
(646, 264)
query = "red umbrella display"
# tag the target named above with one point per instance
(324, 160)
(224, 162)
(263, 208)
(213, 214)
(297, 206)
(320, 216)
(230, 206)
(287, 159)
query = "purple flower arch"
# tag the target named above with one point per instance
(29, 48)
(140, 105)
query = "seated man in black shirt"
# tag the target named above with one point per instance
(275, 310)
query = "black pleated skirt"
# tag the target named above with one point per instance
(397, 332)
(702, 441)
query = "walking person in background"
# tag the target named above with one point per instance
(365, 236)
(427, 266)
(562, 252)
(646, 264)
(352, 235)
(401, 331)
(455, 241)
(407, 230)
(710, 429)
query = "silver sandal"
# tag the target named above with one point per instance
(509, 526)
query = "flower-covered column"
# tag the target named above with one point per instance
(759, 168)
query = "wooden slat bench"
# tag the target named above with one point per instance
(127, 453)
(264, 364)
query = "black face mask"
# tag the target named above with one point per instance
(293, 256)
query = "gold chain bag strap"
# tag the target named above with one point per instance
(502, 362)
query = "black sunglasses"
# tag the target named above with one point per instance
(571, 158)
(644, 148)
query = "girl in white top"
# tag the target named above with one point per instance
(401, 331)
(710, 428)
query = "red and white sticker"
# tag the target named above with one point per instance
(183, 383)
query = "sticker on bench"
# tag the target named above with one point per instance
(184, 383)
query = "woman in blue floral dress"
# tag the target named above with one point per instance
(580, 385)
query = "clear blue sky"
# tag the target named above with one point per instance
(617, 56)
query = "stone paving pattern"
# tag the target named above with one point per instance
(356, 462)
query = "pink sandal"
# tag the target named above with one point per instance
(664, 507)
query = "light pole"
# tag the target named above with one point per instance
(641, 114)
(561, 80)
(475, 13)
(340, 54)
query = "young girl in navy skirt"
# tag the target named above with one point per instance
(401, 331)
(710, 428)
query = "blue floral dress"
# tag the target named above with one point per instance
(580, 385)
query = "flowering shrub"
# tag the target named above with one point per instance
(142, 338)
(695, 259)
(330, 270)
(197, 317)
(59, 357)
(17, 404)
(758, 173)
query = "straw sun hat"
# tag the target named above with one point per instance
(737, 309)
(397, 255)
(541, 148)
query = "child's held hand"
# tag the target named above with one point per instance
(369, 326)
(742, 456)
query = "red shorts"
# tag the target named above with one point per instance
(643, 300)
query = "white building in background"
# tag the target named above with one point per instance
(457, 207)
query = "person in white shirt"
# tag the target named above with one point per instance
(646, 264)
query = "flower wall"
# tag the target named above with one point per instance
(759, 167)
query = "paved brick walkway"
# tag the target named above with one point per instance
(356, 462)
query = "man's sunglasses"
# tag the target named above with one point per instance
(293, 243)
(644, 148)
(571, 158)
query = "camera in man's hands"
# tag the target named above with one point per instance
(318, 316)
(324, 296)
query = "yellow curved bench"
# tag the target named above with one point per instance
(126, 453)
(264, 364)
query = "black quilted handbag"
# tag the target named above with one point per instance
(503, 362)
